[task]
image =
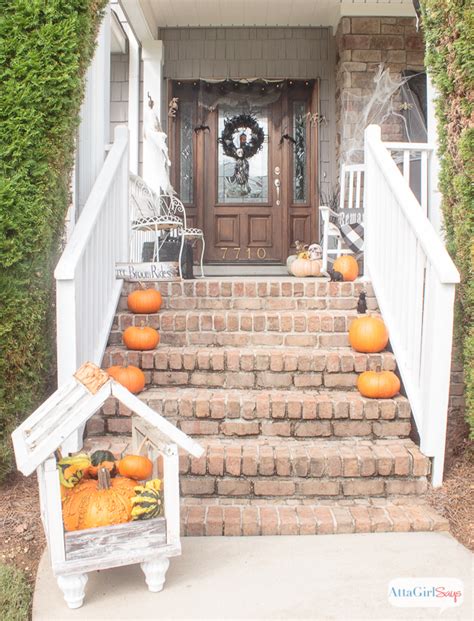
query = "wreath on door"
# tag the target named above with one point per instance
(250, 141)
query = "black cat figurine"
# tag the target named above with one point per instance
(335, 276)
(362, 303)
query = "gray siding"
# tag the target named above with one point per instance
(307, 53)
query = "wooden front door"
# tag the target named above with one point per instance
(251, 211)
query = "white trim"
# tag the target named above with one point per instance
(137, 20)
(118, 43)
(153, 58)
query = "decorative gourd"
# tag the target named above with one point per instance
(101, 459)
(347, 266)
(368, 334)
(131, 377)
(71, 469)
(99, 503)
(378, 384)
(141, 338)
(147, 503)
(305, 267)
(144, 301)
(135, 467)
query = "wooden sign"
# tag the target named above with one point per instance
(143, 272)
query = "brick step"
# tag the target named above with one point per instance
(262, 368)
(200, 411)
(285, 293)
(215, 517)
(263, 468)
(281, 413)
(243, 328)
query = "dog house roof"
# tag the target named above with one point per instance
(71, 406)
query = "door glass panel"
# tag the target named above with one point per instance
(186, 115)
(243, 181)
(300, 176)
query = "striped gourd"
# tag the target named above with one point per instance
(147, 502)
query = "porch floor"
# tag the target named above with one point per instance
(323, 577)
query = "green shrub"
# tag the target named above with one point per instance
(45, 48)
(15, 594)
(449, 34)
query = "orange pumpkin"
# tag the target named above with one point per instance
(347, 266)
(131, 377)
(141, 338)
(144, 301)
(378, 384)
(135, 467)
(368, 334)
(91, 504)
(301, 268)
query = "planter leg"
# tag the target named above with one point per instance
(73, 588)
(155, 572)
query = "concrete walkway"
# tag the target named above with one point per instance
(324, 577)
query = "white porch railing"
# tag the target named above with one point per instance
(87, 291)
(415, 160)
(414, 281)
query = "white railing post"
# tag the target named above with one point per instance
(414, 281)
(87, 290)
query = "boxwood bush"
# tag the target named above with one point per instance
(449, 34)
(45, 48)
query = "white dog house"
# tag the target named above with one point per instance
(149, 542)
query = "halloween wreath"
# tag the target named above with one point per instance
(247, 147)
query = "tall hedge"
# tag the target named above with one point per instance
(45, 48)
(448, 27)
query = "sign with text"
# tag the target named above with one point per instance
(143, 272)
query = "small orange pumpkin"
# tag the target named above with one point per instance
(378, 384)
(368, 334)
(144, 301)
(131, 377)
(91, 504)
(141, 338)
(347, 266)
(135, 467)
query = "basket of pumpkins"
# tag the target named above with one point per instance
(98, 490)
(306, 261)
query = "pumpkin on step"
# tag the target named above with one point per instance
(141, 338)
(144, 301)
(378, 384)
(99, 503)
(301, 268)
(135, 467)
(368, 334)
(131, 377)
(347, 266)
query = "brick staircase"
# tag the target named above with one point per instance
(260, 371)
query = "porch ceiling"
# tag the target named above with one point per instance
(198, 13)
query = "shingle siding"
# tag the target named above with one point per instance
(270, 53)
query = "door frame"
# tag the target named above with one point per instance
(196, 212)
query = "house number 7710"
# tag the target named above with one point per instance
(261, 253)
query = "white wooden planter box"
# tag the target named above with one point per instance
(149, 542)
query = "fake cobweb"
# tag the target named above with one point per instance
(390, 101)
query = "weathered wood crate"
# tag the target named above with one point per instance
(150, 542)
